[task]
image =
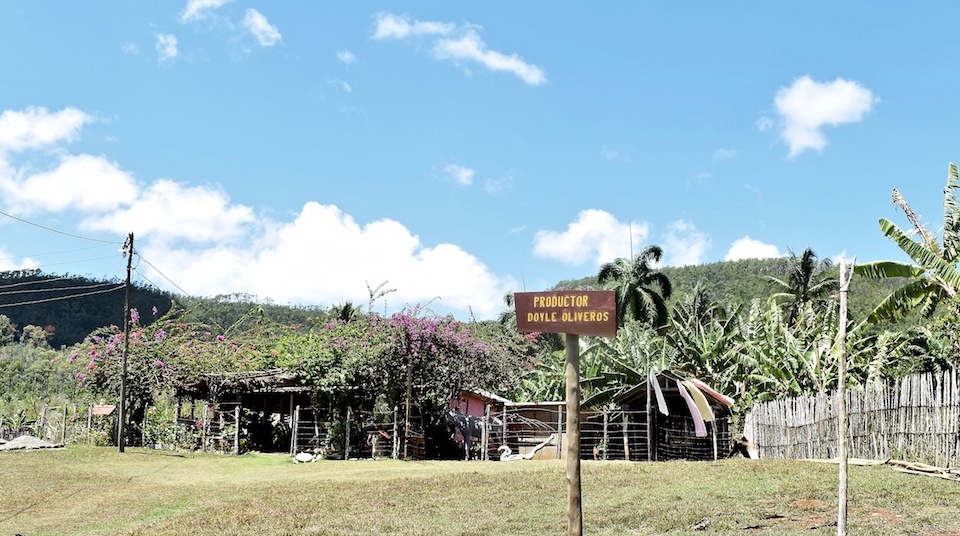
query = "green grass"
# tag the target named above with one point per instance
(88, 490)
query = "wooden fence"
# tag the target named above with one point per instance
(912, 418)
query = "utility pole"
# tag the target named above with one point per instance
(122, 416)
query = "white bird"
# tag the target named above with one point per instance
(507, 455)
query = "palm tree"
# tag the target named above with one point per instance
(642, 290)
(935, 277)
(805, 283)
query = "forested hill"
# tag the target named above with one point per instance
(739, 282)
(70, 307)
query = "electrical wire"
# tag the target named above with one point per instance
(52, 230)
(62, 298)
(55, 289)
(32, 255)
(11, 285)
(150, 264)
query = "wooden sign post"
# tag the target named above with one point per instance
(574, 313)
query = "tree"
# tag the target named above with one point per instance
(641, 289)
(805, 283)
(934, 276)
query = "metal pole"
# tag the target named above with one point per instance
(574, 497)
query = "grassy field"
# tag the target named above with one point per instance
(88, 490)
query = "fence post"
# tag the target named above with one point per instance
(626, 438)
(485, 435)
(606, 439)
(143, 428)
(236, 430)
(346, 435)
(396, 438)
(295, 430)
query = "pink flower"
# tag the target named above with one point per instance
(220, 338)
(158, 363)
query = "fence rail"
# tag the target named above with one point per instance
(916, 417)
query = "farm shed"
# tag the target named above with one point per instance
(255, 406)
(670, 417)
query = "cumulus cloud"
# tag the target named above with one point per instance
(35, 127)
(748, 248)
(292, 262)
(166, 210)
(684, 245)
(807, 106)
(346, 56)
(209, 245)
(461, 175)
(460, 44)
(200, 9)
(258, 25)
(596, 235)
(79, 182)
(166, 46)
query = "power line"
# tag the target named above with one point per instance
(55, 289)
(11, 285)
(52, 230)
(62, 298)
(31, 255)
(184, 292)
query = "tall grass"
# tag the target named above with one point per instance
(87, 490)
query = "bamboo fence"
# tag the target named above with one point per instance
(915, 418)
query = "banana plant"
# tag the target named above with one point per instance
(934, 274)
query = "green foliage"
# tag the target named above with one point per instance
(641, 290)
(934, 278)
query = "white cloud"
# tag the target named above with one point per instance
(7, 263)
(166, 210)
(35, 127)
(166, 46)
(684, 245)
(79, 182)
(267, 34)
(748, 248)
(461, 175)
(471, 47)
(208, 245)
(457, 44)
(200, 9)
(390, 26)
(724, 154)
(595, 235)
(130, 48)
(807, 106)
(325, 256)
(346, 56)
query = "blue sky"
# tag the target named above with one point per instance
(307, 152)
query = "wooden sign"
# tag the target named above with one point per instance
(577, 312)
